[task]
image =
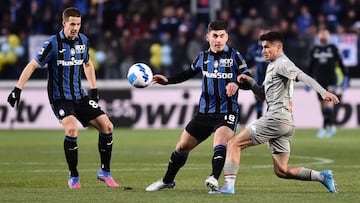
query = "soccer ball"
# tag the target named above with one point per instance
(139, 75)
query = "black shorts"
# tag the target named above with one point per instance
(84, 109)
(203, 125)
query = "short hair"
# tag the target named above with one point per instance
(272, 36)
(217, 25)
(70, 12)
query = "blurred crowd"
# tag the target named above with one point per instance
(168, 34)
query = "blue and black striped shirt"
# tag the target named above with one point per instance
(65, 59)
(218, 69)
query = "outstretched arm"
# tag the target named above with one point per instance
(178, 78)
(246, 79)
(318, 88)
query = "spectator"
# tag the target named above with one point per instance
(332, 10)
(304, 20)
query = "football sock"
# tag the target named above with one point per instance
(316, 176)
(327, 114)
(309, 174)
(230, 172)
(71, 154)
(218, 160)
(105, 148)
(176, 161)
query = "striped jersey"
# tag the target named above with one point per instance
(64, 59)
(218, 69)
(256, 59)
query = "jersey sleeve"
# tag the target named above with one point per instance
(45, 53)
(87, 45)
(241, 63)
(288, 69)
(197, 63)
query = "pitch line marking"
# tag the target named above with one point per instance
(190, 166)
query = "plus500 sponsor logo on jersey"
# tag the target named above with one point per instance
(217, 75)
(70, 63)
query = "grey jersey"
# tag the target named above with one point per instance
(279, 88)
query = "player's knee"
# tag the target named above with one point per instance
(183, 148)
(233, 143)
(107, 128)
(71, 131)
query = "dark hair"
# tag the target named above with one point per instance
(71, 11)
(272, 36)
(217, 25)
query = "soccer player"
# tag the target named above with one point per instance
(324, 58)
(257, 67)
(67, 54)
(218, 113)
(276, 126)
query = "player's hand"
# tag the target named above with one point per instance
(331, 97)
(159, 79)
(243, 78)
(307, 88)
(14, 97)
(231, 89)
(245, 82)
(345, 83)
(94, 94)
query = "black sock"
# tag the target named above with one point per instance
(105, 149)
(71, 154)
(218, 160)
(327, 114)
(176, 161)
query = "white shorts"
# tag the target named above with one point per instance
(276, 133)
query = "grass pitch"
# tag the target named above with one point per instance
(33, 168)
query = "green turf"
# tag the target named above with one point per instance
(33, 169)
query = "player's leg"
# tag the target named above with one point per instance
(69, 124)
(224, 131)
(177, 160)
(329, 118)
(232, 162)
(282, 170)
(65, 111)
(105, 142)
(89, 113)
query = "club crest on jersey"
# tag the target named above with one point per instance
(80, 49)
(72, 52)
(226, 62)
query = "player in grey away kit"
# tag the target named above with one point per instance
(277, 125)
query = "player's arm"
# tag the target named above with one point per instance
(26, 73)
(89, 71)
(251, 83)
(178, 78)
(14, 96)
(317, 87)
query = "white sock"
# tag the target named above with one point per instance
(229, 181)
(315, 175)
(230, 172)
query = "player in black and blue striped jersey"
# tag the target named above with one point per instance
(257, 67)
(66, 55)
(218, 113)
